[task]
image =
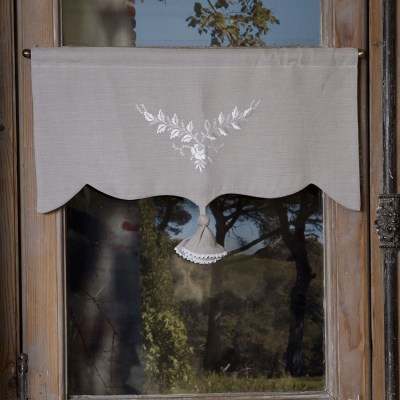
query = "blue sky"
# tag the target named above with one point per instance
(163, 23)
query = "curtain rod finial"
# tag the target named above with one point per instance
(362, 54)
(26, 53)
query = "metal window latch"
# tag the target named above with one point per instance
(388, 221)
(22, 370)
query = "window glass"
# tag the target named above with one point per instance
(168, 22)
(165, 23)
(141, 320)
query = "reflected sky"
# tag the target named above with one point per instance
(163, 23)
(242, 231)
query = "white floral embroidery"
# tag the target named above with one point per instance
(200, 143)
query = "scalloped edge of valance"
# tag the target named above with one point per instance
(46, 208)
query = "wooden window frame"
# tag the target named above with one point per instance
(348, 336)
(9, 248)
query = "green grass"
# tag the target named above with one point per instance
(214, 383)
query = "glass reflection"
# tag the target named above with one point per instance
(183, 23)
(143, 320)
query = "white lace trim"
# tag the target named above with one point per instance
(198, 144)
(199, 258)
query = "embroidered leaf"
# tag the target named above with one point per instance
(189, 126)
(161, 128)
(207, 125)
(221, 118)
(235, 126)
(174, 133)
(246, 113)
(235, 112)
(161, 116)
(187, 138)
(223, 133)
(148, 117)
(212, 138)
(200, 165)
(175, 120)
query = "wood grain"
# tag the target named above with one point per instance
(347, 242)
(41, 235)
(375, 52)
(377, 286)
(9, 304)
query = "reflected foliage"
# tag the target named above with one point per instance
(233, 22)
(165, 349)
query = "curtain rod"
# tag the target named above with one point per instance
(27, 53)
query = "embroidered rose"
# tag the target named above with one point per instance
(199, 151)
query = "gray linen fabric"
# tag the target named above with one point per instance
(195, 123)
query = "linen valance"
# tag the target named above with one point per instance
(196, 123)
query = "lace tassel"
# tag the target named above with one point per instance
(202, 247)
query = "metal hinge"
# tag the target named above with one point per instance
(22, 372)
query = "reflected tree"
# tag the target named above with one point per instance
(228, 22)
(225, 219)
(228, 211)
(291, 220)
(294, 216)
(172, 214)
(233, 22)
(165, 348)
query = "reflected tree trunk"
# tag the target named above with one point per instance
(214, 345)
(226, 211)
(298, 300)
(296, 243)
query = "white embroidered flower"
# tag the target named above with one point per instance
(199, 151)
(199, 143)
